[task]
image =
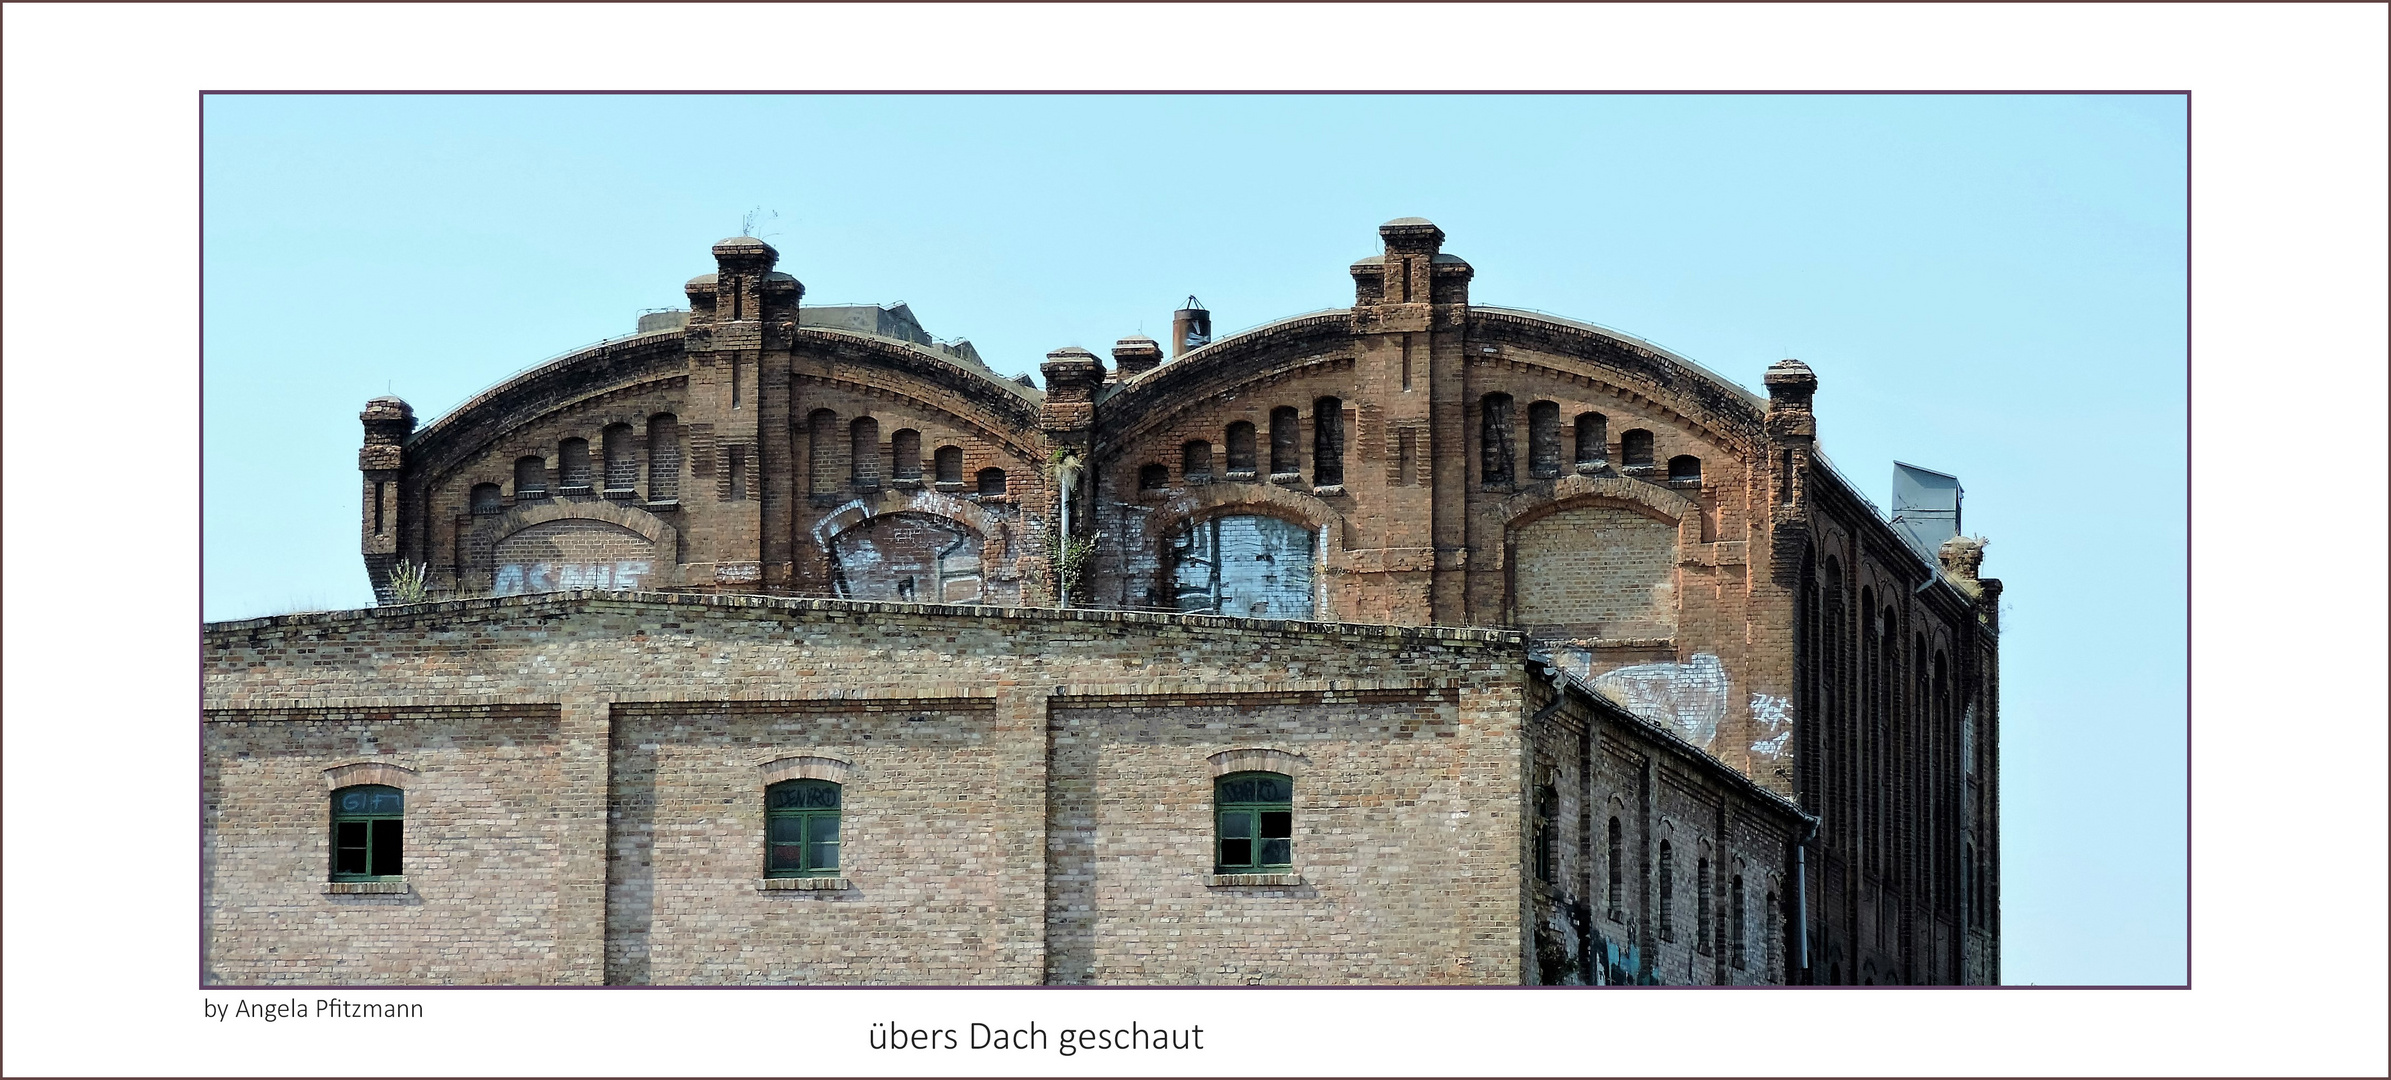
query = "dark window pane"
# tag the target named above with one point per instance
(784, 797)
(822, 795)
(1275, 853)
(1270, 789)
(1236, 852)
(1237, 824)
(348, 853)
(1277, 823)
(1237, 791)
(785, 830)
(386, 848)
(784, 857)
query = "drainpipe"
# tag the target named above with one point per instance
(1066, 475)
(1801, 898)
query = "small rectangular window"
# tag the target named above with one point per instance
(1255, 817)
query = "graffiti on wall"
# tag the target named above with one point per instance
(1772, 726)
(571, 554)
(1689, 698)
(1245, 565)
(908, 557)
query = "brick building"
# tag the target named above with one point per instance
(1415, 642)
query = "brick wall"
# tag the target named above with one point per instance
(966, 731)
(481, 843)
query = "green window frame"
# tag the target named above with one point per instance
(801, 829)
(1254, 818)
(369, 823)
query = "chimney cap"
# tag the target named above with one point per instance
(743, 245)
(1192, 304)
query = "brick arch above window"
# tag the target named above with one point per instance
(805, 767)
(1257, 759)
(384, 773)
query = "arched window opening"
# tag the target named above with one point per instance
(1668, 892)
(822, 470)
(905, 455)
(801, 829)
(1685, 469)
(1616, 856)
(1702, 906)
(664, 458)
(1593, 445)
(368, 833)
(1544, 440)
(992, 483)
(1153, 477)
(572, 466)
(1328, 442)
(531, 477)
(486, 499)
(949, 461)
(1285, 430)
(1195, 461)
(622, 464)
(1635, 449)
(1735, 923)
(1768, 936)
(1241, 451)
(1255, 816)
(863, 452)
(1496, 455)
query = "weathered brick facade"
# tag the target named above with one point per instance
(1760, 666)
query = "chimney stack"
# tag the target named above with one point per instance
(1191, 328)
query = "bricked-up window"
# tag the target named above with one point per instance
(1328, 442)
(1496, 455)
(738, 471)
(622, 465)
(905, 455)
(1702, 906)
(572, 464)
(1153, 477)
(368, 826)
(487, 499)
(950, 464)
(1593, 435)
(1735, 927)
(1548, 829)
(664, 458)
(992, 483)
(1195, 460)
(801, 829)
(1255, 812)
(1286, 428)
(1967, 883)
(821, 452)
(1241, 448)
(1684, 469)
(1668, 892)
(1544, 439)
(531, 478)
(1635, 448)
(864, 451)
(1617, 857)
(1768, 936)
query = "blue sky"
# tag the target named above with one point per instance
(1989, 286)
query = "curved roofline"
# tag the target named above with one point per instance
(1757, 400)
(556, 362)
(1029, 394)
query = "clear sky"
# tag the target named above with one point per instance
(1989, 286)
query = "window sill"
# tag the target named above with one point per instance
(357, 888)
(1246, 475)
(803, 884)
(909, 483)
(574, 491)
(1286, 479)
(1329, 491)
(662, 505)
(949, 486)
(622, 494)
(1257, 879)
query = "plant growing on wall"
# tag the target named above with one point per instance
(407, 583)
(1070, 562)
